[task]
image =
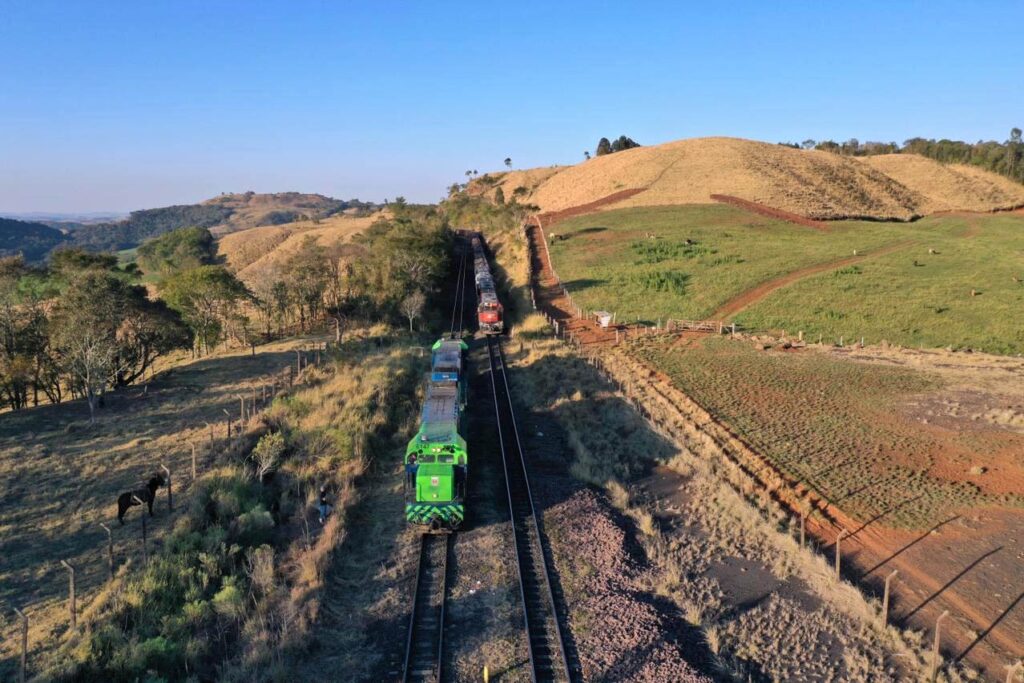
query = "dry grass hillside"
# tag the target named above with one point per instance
(254, 210)
(815, 184)
(255, 251)
(949, 187)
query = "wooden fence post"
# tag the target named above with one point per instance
(298, 361)
(110, 549)
(839, 556)
(24, 645)
(885, 597)
(145, 548)
(170, 496)
(72, 607)
(935, 646)
(229, 422)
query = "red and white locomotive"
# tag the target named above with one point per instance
(489, 311)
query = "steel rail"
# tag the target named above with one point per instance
(424, 647)
(528, 540)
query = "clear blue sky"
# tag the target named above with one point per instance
(123, 105)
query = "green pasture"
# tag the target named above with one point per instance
(687, 261)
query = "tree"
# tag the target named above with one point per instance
(808, 144)
(206, 297)
(603, 147)
(148, 330)
(67, 261)
(177, 250)
(412, 306)
(508, 162)
(307, 273)
(1015, 136)
(586, 155)
(267, 454)
(623, 143)
(84, 332)
(499, 196)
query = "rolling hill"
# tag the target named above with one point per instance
(256, 251)
(222, 215)
(810, 183)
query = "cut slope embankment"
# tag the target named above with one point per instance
(808, 183)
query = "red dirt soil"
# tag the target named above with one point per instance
(770, 212)
(552, 217)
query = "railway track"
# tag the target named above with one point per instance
(547, 646)
(424, 654)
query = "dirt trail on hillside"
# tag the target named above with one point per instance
(742, 301)
(770, 212)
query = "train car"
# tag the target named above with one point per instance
(436, 459)
(490, 312)
(447, 362)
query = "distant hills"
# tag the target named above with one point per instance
(811, 183)
(32, 240)
(221, 215)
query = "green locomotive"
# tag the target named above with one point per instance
(436, 459)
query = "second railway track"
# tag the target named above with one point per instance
(549, 660)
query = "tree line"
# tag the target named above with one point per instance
(82, 324)
(605, 146)
(1005, 158)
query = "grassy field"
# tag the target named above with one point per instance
(916, 298)
(841, 427)
(691, 261)
(61, 479)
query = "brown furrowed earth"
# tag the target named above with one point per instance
(917, 455)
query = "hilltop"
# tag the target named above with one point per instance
(811, 183)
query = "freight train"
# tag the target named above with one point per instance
(437, 457)
(489, 311)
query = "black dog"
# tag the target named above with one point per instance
(146, 495)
